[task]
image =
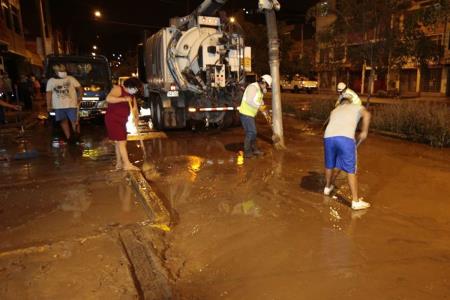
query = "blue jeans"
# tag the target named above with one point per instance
(250, 133)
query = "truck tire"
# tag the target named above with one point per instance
(296, 89)
(228, 119)
(157, 113)
(236, 119)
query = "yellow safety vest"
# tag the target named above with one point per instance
(251, 109)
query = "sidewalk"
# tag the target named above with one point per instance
(303, 97)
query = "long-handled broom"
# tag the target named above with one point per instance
(148, 169)
(26, 153)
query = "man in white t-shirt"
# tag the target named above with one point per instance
(63, 96)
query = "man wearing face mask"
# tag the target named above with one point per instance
(63, 96)
(120, 99)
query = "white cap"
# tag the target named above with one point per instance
(268, 79)
(341, 86)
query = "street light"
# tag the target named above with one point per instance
(93, 54)
(98, 15)
(232, 20)
(94, 47)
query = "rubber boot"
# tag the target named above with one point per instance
(255, 150)
(248, 153)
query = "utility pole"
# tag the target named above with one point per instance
(269, 7)
(42, 25)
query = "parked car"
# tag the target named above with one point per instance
(298, 83)
(94, 75)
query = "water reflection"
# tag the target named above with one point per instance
(77, 200)
(104, 150)
(194, 165)
(124, 192)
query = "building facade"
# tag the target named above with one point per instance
(27, 36)
(333, 64)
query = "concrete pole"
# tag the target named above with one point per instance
(274, 62)
(42, 21)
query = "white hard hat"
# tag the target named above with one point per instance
(268, 79)
(341, 86)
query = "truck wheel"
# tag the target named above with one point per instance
(236, 118)
(181, 117)
(157, 113)
(296, 89)
(227, 120)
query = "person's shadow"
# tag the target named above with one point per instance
(234, 147)
(313, 182)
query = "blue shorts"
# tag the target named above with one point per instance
(340, 153)
(66, 113)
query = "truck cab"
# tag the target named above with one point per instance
(94, 75)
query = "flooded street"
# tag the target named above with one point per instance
(241, 228)
(261, 228)
(60, 214)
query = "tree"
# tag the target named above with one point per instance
(383, 34)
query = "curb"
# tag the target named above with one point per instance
(157, 213)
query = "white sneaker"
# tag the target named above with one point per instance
(357, 205)
(327, 191)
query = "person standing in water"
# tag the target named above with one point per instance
(340, 146)
(120, 99)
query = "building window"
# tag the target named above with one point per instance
(7, 14)
(16, 20)
(323, 8)
(339, 53)
(324, 55)
(431, 80)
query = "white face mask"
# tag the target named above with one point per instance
(62, 74)
(131, 91)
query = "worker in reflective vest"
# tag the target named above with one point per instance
(252, 102)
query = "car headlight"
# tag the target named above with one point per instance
(102, 104)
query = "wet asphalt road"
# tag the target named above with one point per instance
(243, 229)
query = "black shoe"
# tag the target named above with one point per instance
(72, 140)
(248, 155)
(258, 152)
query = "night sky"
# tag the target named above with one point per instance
(76, 16)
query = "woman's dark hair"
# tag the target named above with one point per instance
(133, 82)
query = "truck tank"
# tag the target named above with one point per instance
(195, 69)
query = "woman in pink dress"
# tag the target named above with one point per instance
(119, 101)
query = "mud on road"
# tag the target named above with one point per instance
(261, 229)
(241, 229)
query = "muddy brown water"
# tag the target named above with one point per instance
(59, 217)
(243, 229)
(261, 229)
